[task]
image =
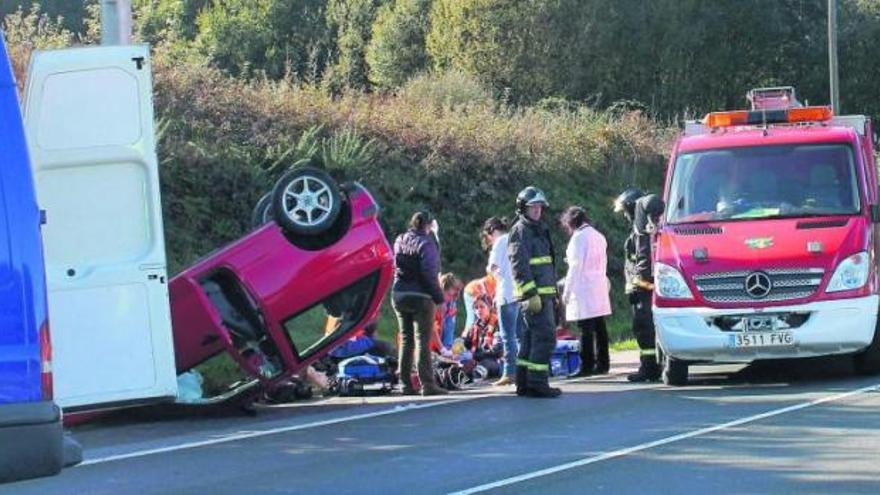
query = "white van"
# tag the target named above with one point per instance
(89, 121)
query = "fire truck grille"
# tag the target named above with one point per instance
(772, 285)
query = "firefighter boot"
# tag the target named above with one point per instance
(521, 379)
(540, 387)
(648, 371)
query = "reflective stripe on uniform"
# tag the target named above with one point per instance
(541, 260)
(522, 289)
(648, 352)
(533, 366)
(547, 291)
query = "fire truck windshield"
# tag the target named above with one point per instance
(763, 182)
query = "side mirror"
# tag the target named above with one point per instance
(875, 213)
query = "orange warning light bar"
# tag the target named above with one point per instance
(810, 114)
(761, 117)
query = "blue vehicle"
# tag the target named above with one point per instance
(31, 435)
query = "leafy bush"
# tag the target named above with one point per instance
(29, 30)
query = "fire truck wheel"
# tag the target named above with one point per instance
(675, 371)
(867, 362)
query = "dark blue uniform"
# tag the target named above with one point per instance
(533, 263)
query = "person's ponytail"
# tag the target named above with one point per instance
(420, 221)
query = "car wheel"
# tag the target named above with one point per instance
(306, 202)
(867, 362)
(675, 371)
(262, 213)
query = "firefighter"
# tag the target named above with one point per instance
(533, 264)
(643, 213)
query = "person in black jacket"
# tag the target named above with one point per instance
(533, 264)
(414, 295)
(644, 213)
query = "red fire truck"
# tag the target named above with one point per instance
(768, 248)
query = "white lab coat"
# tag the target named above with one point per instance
(586, 293)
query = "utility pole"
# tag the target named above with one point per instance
(832, 56)
(115, 22)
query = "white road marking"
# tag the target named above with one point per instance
(284, 429)
(663, 441)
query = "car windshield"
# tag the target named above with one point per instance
(763, 182)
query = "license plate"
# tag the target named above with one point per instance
(762, 339)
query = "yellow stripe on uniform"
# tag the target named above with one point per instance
(541, 260)
(547, 291)
(533, 366)
(522, 289)
(648, 352)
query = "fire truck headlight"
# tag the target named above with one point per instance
(851, 273)
(670, 284)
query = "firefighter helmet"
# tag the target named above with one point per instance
(530, 196)
(648, 210)
(626, 202)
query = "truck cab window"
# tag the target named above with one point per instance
(764, 182)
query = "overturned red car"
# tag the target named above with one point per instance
(292, 290)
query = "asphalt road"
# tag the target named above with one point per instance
(789, 427)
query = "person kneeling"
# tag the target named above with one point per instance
(481, 338)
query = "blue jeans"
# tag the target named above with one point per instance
(509, 318)
(448, 334)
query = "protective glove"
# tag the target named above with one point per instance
(534, 305)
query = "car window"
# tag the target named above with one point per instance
(325, 323)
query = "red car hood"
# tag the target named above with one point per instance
(761, 244)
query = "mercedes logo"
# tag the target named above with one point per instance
(758, 285)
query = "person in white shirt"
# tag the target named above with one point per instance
(509, 314)
(586, 293)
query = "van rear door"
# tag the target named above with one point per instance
(89, 120)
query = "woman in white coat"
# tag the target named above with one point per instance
(586, 292)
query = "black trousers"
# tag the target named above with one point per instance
(538, 342)
(643, 328)
(594, 344)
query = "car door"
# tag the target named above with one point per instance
(89, 120)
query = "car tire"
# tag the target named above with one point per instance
(306, 202)
(674, 371)
(867, 362)
(262, 213)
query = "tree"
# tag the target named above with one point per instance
(397, 48)
(158, 20)
(519, 45)
(270, 36)
(351, 21)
